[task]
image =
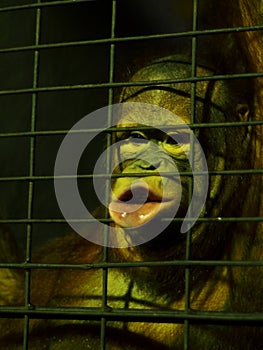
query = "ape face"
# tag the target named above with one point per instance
(151, 153)
(164, 154)
(167, 196)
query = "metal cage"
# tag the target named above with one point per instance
(58, 61)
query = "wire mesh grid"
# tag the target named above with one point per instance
(36, 10)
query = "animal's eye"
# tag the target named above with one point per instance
(138, 138)
(171, 141)
(177, 138)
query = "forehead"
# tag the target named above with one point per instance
(152, 116)
(174, 97)
(171, 107)
(167, 75)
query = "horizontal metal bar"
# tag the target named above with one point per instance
(117, 40)
(41, 5)
(105, 220)
(114, 129)
(126, 84)
(135, 315)
(136, 264)
(110, 176)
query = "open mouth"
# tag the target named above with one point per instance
(138, 195)
(135, 207)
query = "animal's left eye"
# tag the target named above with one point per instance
(171, 141)
(138, 138)
(178, 138)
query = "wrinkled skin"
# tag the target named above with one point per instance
(216, 288)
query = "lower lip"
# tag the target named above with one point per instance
(124, 215)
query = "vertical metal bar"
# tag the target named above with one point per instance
(107, 189)
(31, 173)
(190, 187)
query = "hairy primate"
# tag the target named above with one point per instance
(218, 288)
(212, 288)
